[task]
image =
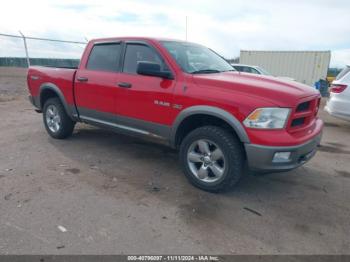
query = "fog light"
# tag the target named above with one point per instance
(281, 157)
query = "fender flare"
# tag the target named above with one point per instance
(58, 92)
(212, 111)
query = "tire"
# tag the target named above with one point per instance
(216, 170)
(57, 123)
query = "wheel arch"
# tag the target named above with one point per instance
(213, 113)
(49, 90)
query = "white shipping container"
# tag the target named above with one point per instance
(304, 66)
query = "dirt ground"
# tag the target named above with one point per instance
(103, 193)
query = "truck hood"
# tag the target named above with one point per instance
(277, 91)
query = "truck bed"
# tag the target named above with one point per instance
(59, 78)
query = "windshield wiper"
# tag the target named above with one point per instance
(206, 71)
(230, 70)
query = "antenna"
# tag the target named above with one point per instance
(186, 26)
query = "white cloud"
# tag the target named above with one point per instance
(226, 26)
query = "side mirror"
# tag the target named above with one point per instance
(152, 69)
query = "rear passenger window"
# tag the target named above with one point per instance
(138, 52)
(104, 57)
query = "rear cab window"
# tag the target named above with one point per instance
(104, 57)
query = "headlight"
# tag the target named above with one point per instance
(274, 118)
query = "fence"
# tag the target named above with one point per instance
(22, 62)
(16, 60)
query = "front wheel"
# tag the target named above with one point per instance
(212, 158)
(57, 122)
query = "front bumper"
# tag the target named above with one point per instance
(260, 158)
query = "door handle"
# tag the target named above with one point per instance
(82, 79)
(124, 85)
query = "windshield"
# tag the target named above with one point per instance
(196, 59)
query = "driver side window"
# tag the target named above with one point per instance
(136, 53)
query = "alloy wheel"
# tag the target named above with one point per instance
(206, 160)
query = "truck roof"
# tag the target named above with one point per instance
(140, 38)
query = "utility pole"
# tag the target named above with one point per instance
(25, 48)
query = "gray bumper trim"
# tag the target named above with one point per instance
(260, 157)
(34, 100)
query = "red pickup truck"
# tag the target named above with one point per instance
(185, 94)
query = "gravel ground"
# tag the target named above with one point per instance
(103, 193)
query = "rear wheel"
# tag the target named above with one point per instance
(57, 123)
(212, 158)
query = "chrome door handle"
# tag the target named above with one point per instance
(82, 79)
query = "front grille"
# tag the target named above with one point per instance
(298, 121)
(304, 114)
(303, 106)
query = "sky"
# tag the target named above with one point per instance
(226, 26)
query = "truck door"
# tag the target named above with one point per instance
(144, 102)
(96, 84)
